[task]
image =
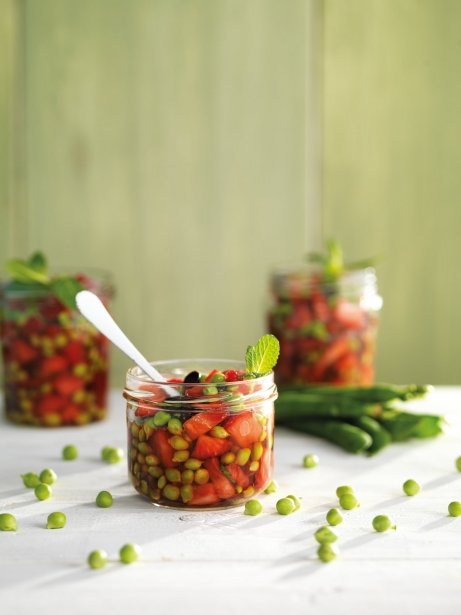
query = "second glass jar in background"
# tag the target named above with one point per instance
(327, 329)
(207, 446)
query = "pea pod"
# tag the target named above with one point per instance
(380, 436)
(347, 436)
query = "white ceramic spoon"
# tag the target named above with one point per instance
(93, 309)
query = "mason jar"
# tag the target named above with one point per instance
(203, 440)
(327, 329)
(55, 363)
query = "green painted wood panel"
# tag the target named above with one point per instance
(391, 178)
(166, 142)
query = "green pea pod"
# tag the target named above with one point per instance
(405, 425)
(381, 437)
(347, 436)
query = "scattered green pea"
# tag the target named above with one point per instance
(285, 506)
(382, 523)
(97, 559)
(129, 553)
(348, 501)
(253, 507)
(272, 487)
(343, 489)
(42, 491)
(111, 454)
(458, 463)
(8, 523)
(30, 480)
(327, 552)
(334, 517)
(55, 521)
(454, 509)
(104, 499)
(411, 487)
(324, 534)
(310, 461)
(48, 476)
(295, 500)
(70, 452)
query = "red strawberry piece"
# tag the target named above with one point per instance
(231, 375)
(265, 469)
(202, 422)
(332, 353)
(203, 495)
(53, 365)
(222, 485)
(21, 352)
(244, 428)
(75, 352)
(207, 446)
(70, 413)
(162, 448)
(67, 384)
(237, 475)
(349, 315)
(49, 404)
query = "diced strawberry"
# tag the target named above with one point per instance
(156, 393)
(222, 485)
(162, 448)
(144, 411)
(264, 471)
(53, 365)
(244, 428)
(49, 404)
(207, 446)
(21, 352)
(67, 384)
(349, 315)
(237, 475)
(75, 352)
(231, 375)
(70, 413)
(202, 422)
(331, 354)
(194, 391)
(203, 495)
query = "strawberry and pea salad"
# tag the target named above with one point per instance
(206, 440)
(55, 362)
(325, 315)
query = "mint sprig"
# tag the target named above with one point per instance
(32, 274)
(262, 357)
(332, 262)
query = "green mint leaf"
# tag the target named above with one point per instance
(262, 357)
(21, 271)
(65, 289)
(37, 262)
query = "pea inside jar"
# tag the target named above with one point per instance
(208, 446)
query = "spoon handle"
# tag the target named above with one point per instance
(93, 309)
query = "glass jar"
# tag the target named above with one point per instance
(199, 445)
(55, 363)
(327, 329)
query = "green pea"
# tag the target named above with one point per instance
(285, 506)
(218, 377)
(382, 523)
(348, 501)
(8, 523)
(310, 461)
(161, 418)
(327, 552)
(295, 500)
(210, 390)
(70, 452)
(129, 553)
(48, 476)
(55, 521)
(171, 492)
(458, 463)
(42, 491)
(343, 489)
(272, 487)
(324, 534)
(411, 487)
(334, 517)
(112, 454)
(104, 499)
(174, 426)
(30, 480)
(454, 509)
(97, 559)
(253, 507)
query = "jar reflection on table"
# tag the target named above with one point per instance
(327, 329)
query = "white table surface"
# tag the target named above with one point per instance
(226, 562)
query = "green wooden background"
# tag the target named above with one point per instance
(189, 145)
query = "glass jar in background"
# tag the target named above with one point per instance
(327, 328)
(55, 363)
(203, 444)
